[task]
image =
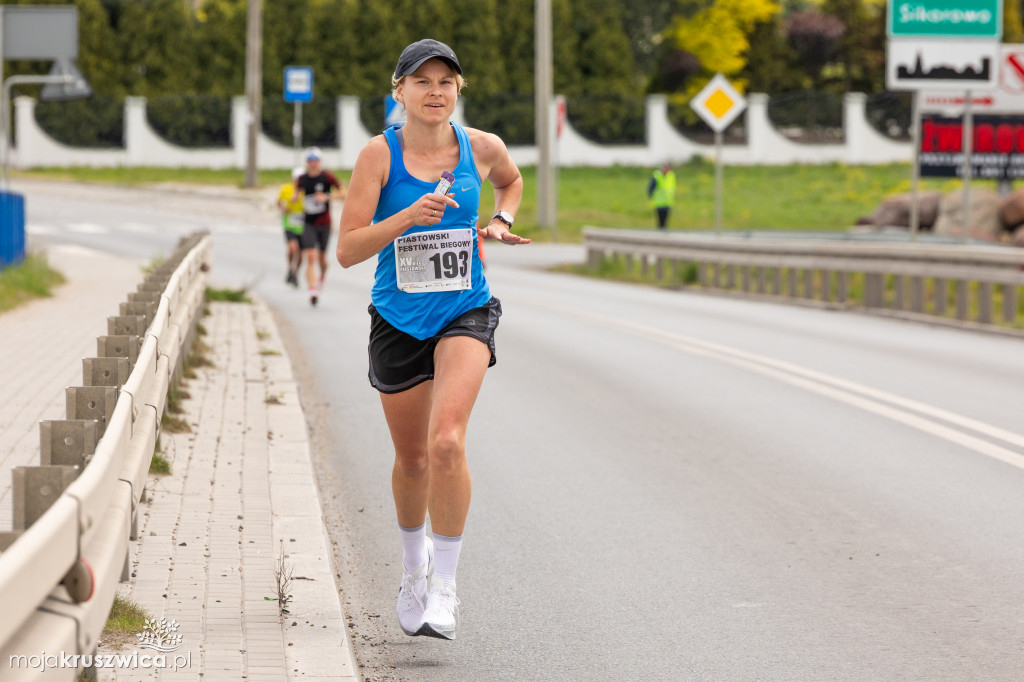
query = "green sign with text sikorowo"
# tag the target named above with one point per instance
(945, 18)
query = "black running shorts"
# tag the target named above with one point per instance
(315, 237)
(399, 361)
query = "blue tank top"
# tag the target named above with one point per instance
(424, 314)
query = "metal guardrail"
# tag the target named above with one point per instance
(74, 514)
(967, 284)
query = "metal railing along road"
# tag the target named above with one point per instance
(978, 285)
(74, 514)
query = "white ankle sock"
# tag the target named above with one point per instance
(414, 547)
(446, 557)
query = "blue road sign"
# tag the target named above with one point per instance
(298, 84)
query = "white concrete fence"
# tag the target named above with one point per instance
(75, 513)
(764, 146)
(978, 286)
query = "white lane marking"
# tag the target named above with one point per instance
(75, 250)
(870, 399)
(88, 228)
(138, 228)
(37, 228)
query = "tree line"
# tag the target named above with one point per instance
(608, 54)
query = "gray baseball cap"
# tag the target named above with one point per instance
(422, 50)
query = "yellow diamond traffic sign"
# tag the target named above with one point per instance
(718, 103)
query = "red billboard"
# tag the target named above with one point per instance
(997, 146)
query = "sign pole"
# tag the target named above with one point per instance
(543, 77)
(297, 132)
(968, 135)
(915, 167)
(298, 88)
(718, 183)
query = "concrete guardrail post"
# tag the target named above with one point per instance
(985, 290)
(1009, 303)
(119, 346)
(940, 294)
(68, 442)
(132, 325)
(35, 489)
(105, 371)
(962, 299)
(899, 299)
(146, 308)
(917, 294)
(91, 402)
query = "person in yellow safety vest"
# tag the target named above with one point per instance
(662, 193)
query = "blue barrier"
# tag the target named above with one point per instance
(12, 228)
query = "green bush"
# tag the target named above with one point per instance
(96, 122)
(607, 119)
(191, 120)
(318, 122)
(371, 113)
(508, 115)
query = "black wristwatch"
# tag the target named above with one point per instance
(505, 217)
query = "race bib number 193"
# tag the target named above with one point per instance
(441, 260)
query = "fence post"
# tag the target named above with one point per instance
(1009, 303)
(985, 302)
(940, 294)
(874, 290)
(917, 294)
(842, 286)
(962, 302)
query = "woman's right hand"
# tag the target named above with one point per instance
(429, 208)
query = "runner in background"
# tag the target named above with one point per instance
(293, 223)
(432, 317)
(318, 187)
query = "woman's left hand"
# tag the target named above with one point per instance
(499, 231)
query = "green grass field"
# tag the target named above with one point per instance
(795, 197)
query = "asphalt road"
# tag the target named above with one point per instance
(667, 485)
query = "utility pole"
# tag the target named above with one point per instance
(253, 87)
(543, 86)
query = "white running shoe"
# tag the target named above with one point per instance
(441, 617)
(412, 595)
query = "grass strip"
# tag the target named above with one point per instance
(32, 278)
